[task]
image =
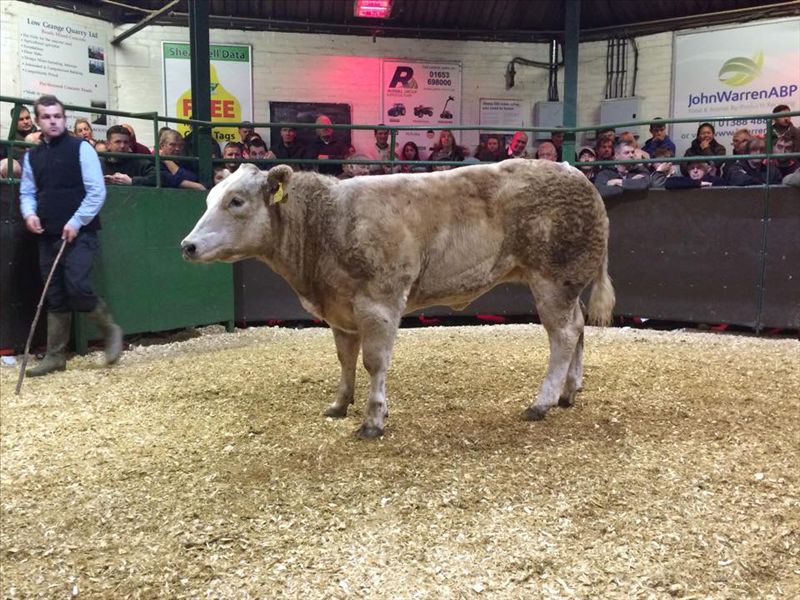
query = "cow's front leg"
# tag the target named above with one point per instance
(378, 327)
(347, 347)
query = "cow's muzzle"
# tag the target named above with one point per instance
(189, 250)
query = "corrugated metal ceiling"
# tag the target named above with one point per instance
(501, 20)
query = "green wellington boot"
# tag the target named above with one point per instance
(58, 330)
(112, 333)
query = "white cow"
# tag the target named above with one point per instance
(362, 252)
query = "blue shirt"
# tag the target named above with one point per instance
(93, 182)
(650, 146)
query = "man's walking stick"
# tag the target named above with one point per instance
(36, 318)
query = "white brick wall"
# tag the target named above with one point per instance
(328, 68)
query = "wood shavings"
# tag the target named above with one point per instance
(204, 468)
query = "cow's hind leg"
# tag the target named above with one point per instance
(574, 381)
(378, 328)
(347, 347)
(561, 316)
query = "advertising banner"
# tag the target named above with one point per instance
(746, 69)
(231, 86)
(68, 61)
(421, 93)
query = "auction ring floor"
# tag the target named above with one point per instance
(204, 468)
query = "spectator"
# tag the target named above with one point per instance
(753, 171)
(126, 170)
(604, 149)
(446, 149)
(135, 146)
(411, 152)
(25, 127)
(381, 151)
(660, 171)
(783, 126)
(83, 130)
(220, 173)
(557, 139)
(355, 169)
(170, 143)
(606, 133)
(61, 195)
(699, 176)
(491, 150)
(705, 145)
(658, 138)
(547, 151)
(784, 145)
(326, 147)
(233, 150)
(516, 149)
(628, 177)
(586, 154)
(246, 144)
(245, 131)
(257, 150)
(739, 141)
(288, 146)
(101, 146)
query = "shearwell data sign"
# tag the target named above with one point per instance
(66, 60)
(231, 86)
(749, 69)
(421, 93)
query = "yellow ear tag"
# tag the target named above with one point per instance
(278, 196)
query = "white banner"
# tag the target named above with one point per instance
(68, 61)
(748, 69)
(499, 112)
(231, 86)
(421, 93)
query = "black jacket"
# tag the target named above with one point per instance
(56, 167)
(743, 173)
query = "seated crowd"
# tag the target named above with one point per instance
(701, 169)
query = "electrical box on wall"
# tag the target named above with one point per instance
(547, 114)
(621, 110)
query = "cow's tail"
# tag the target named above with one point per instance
(602, 298)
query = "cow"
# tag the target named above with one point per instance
(362, 252)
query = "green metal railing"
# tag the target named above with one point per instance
(569, 133)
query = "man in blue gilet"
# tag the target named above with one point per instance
(62, 191)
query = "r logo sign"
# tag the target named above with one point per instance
(403, 76)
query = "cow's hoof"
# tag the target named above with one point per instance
(369, 432)
(336, 412)
(567, 400)
(534, 413)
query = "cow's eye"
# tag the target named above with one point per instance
(236, 203)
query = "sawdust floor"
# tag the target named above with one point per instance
(204, 469)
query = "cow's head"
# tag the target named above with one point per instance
(235, 225)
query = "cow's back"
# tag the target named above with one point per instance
(457, 233)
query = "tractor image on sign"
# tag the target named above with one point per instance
(397, 110)
(422, 111)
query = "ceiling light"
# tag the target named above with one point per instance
(373, 9)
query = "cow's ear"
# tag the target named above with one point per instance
(277, 181)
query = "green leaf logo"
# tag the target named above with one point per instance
(741, 70)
